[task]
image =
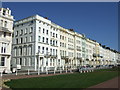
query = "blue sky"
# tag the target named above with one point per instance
(97, 20)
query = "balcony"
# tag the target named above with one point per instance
(64, 57)
(39, 54)
(70, 48)
(78, 49)
(83, 50)
(96, 55)
(79, 58)
(87, 59)
(5, 54)
(53, 56)
(3, 29)
(47, 56)
(53, 38)
(101, 56)
(53, 45)
(8, 40)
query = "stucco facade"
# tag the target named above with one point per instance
(40, 43)
(6, 30)
(39, 46)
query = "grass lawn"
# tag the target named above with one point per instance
(75, 80)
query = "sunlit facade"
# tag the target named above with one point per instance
(6, 30)
(40, 43)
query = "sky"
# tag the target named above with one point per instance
(97, 20)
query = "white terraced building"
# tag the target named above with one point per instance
(35, 44)
(6, 30)
(39, 43)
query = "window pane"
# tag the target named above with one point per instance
(2, 63)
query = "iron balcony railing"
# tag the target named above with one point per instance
(64, 57)
(53, 56)
(97, 55)
(3, 29)
(79, 58)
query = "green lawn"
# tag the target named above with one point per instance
(75, 80)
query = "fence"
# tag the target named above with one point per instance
(39, 72)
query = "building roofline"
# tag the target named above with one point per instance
(26, 18)
(71, 30)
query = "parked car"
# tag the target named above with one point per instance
(99, 67)
(85, 68)
(118, 65)
(111, 66)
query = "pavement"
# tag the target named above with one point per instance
(29, 76)
(111, 84)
